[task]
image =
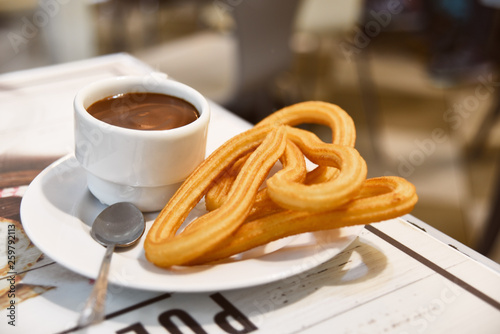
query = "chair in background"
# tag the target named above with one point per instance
(239, 67)
(263, 32)
(491, 232)
(236, 67)
(333, 20)
(16, 51)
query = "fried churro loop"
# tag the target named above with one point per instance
(294, 169)
(292, 194)
(243, 214)
(331, 115)
(321, 196)
(379, 199)
(164, 248)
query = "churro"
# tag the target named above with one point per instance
(165, 248)
(248, 208)
(379, 199)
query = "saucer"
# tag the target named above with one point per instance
(57, 211)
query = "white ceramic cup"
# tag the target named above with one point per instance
(144, 167)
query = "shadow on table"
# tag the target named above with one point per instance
(370, 264)
(358, 263)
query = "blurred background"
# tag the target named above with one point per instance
(419, 77)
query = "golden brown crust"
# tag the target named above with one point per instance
(244, 214)
(164, 248)
(379, 199)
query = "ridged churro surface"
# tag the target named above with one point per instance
(248, 207)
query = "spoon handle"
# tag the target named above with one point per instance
(93, 312)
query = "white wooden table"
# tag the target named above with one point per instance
(399, 276)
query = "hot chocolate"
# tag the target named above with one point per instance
(144, 111)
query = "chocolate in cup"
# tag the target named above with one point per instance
(137, 166)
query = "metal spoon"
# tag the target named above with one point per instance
(119, 225)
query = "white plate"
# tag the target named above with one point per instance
(57, 211)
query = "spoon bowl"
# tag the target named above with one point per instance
(120, 224)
